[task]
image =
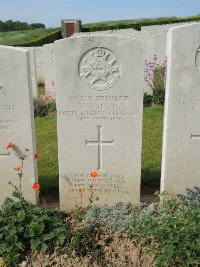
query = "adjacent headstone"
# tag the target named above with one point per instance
(16, 122)
(39, 60)
(49, 71)
(34, 83)
(181, 139)
(159, 35)
(99, 90)
(69, 27)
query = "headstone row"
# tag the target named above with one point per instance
(99, 95)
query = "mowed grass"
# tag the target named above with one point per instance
(17, 37)
(152, 145)
(47, 148)
(151, 152)
(41, 90)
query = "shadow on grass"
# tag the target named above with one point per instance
(150, 177)
(49, 193)
(150, 184)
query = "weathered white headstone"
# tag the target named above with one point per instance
(16, 122)
(49, 70)
(39, 60)
(34, 83)
(99, 90)
(181, 140)
(159, 35)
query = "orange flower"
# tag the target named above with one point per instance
(36, 186)
(9, 145)
(18, 168)
(35, 156)
(94, 174)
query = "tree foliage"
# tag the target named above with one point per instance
(18, 25)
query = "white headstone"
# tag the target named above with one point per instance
(16, 122)
(34, 83)
(39, 60)
(99, 90)
(159, 35)
(181, 140)
(49, 70)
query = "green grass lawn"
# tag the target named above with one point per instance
(46, 134)
(152, 145)
(151, 151)
(16, 37)
(41, 90)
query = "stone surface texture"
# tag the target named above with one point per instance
(49, 70)
(99, 111)
(39, 60)
(34, 83)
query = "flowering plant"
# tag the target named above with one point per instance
(155, 78)
(19, 169)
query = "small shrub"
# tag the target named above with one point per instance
(25, 227)
(43, 107)
(117, 217)
(147, 100)
(170, 229)
(85, 242)
(192, 195)
(51, 105)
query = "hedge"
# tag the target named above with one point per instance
(45, 39)
(109, 25)
(135, 24)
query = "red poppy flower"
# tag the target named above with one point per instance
(36, 186)
(35, 156)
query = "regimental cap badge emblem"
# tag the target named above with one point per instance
(99, 68)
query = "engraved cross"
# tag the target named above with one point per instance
(100, 143)
(195, 136)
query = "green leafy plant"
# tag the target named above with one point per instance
(192, 195)
(25, 227)
(170, 230)
(147, 100)
(85, 241)
(79, 214)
